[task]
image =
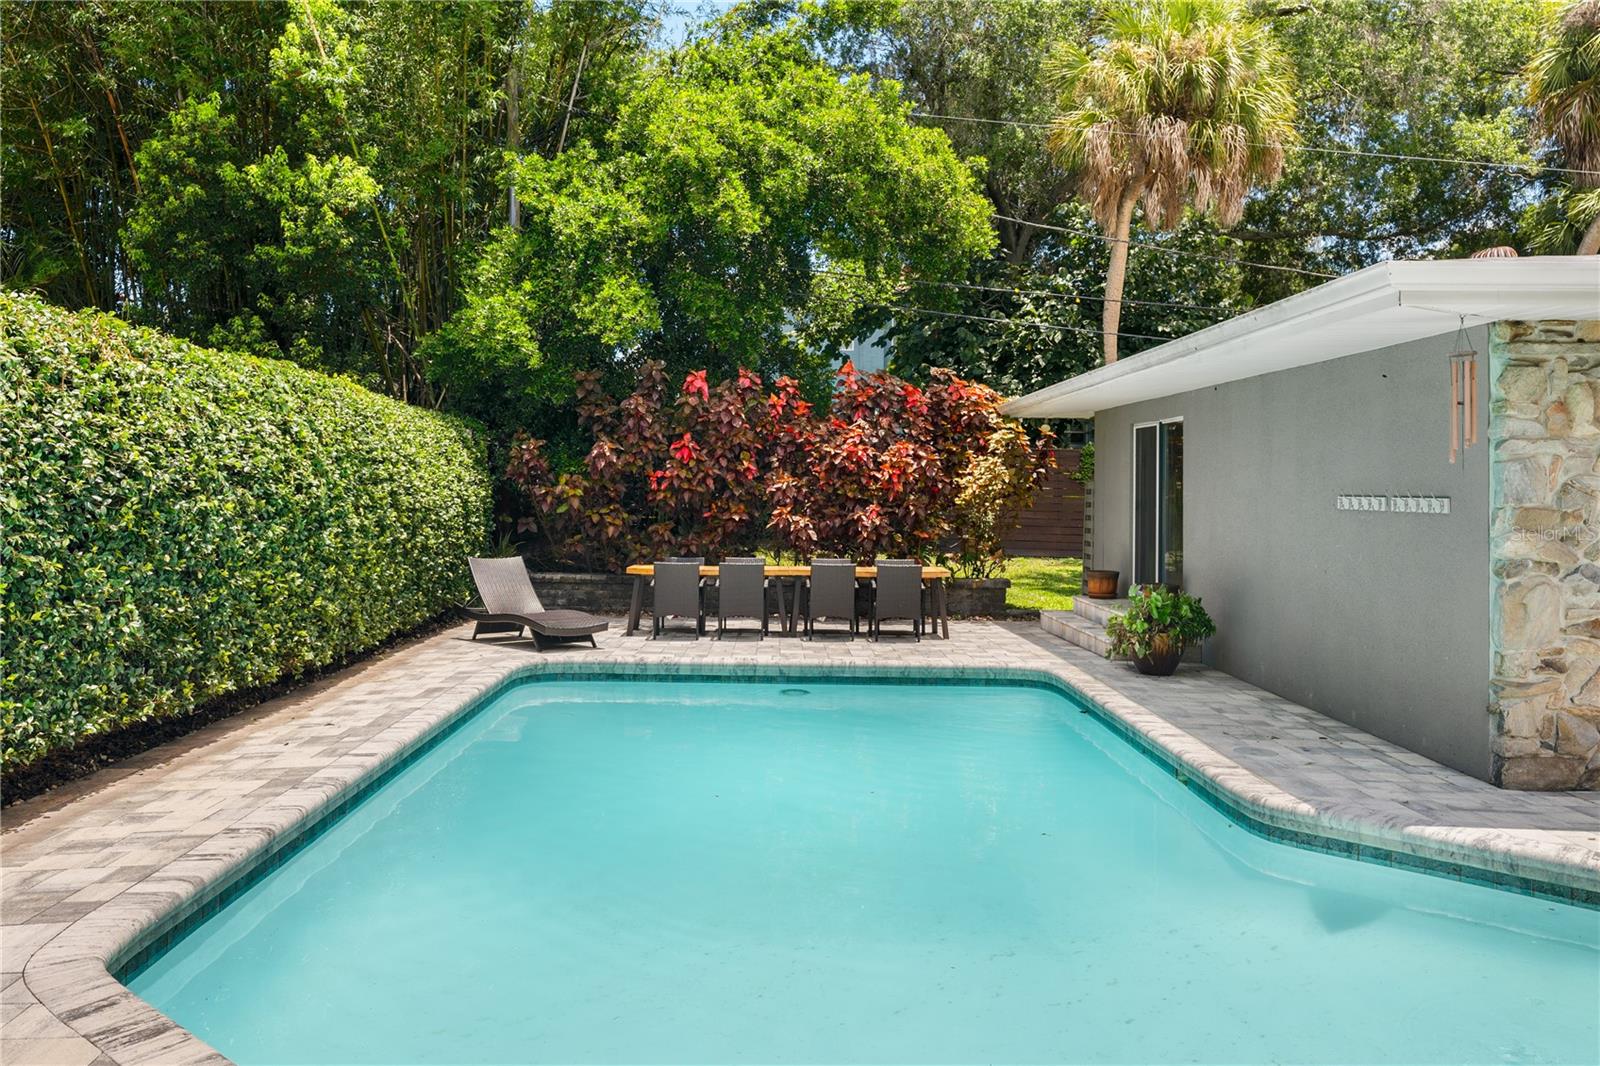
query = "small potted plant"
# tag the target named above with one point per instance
(1158, 625)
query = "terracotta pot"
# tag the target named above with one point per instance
(1163, 659)
(1101, 584)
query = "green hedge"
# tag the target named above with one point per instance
(182, 523)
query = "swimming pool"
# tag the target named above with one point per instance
(678, 871)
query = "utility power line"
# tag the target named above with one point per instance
(1040, 292)
(1362, 153)
(1169, 251)
(1016, 322)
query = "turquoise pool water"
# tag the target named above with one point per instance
(633, 872)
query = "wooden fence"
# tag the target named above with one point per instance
(1053, 526)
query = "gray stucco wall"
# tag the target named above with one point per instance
(1377, 619)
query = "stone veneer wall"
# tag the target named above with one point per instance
(1545, 554)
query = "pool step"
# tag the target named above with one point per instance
(1074, 629)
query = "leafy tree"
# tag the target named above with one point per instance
(1395, 79)
(693, 232)
(1183, 104)
(1564, 88)
(980, 65)
(1029, 314)
(308, 178)
(1029, 326)
(86, 84)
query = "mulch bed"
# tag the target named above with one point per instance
(97, 752)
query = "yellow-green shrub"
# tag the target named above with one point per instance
(182, 523)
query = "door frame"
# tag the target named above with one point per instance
(1133, 495)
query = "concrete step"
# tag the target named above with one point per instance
(1098, 612)
(1088, 631)
(1087, 635)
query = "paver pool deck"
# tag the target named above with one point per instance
(101, 866)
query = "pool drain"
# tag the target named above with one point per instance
(796, 692)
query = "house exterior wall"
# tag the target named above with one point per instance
(1377, 619)
(1545, 543)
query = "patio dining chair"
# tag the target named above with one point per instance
(677, 592)
(742, 592)
(507, 603)
(831, 593)
(896, 595)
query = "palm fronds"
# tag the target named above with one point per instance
(1185, 103)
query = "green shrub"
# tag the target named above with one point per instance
(181, 523)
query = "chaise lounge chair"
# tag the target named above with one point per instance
(507, 603)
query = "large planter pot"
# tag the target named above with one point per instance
(977, 598)
(1165, 654)
(1101, 584)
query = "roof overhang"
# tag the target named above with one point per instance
(1381, 305)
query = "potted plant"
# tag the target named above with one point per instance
(1158, 625)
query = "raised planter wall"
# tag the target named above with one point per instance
(595, 593)
(970, 598)
(609, 594)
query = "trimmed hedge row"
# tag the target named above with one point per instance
(182, 523)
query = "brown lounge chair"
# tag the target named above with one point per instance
(507, 603)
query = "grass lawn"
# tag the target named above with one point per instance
(1048, 584)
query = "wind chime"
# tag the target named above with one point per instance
(1463, 393)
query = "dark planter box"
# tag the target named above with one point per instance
(596, 593)
(974, 598)
(608, 594)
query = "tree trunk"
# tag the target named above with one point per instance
(1117, 274)
(1590, 245)
(572, 99)
(513, 137)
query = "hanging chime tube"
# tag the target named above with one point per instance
(1472, 401)
(1455, 417)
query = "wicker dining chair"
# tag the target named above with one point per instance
(677, 592)
(897, 595)
(742, 592)
(831, 593)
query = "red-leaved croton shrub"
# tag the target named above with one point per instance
(720, 470)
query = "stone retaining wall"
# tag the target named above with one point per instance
(1545, 554)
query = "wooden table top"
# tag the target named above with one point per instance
(929, 573)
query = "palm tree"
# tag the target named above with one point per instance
(1178, 104)
(1564, 88)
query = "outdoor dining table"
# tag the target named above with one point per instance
(933, 576)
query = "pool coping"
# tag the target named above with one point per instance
(71, 974)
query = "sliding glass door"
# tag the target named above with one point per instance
(1158, 503)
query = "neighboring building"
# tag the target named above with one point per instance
(1292, 467)
(869, 354)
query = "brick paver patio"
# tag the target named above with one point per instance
(106, 862)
